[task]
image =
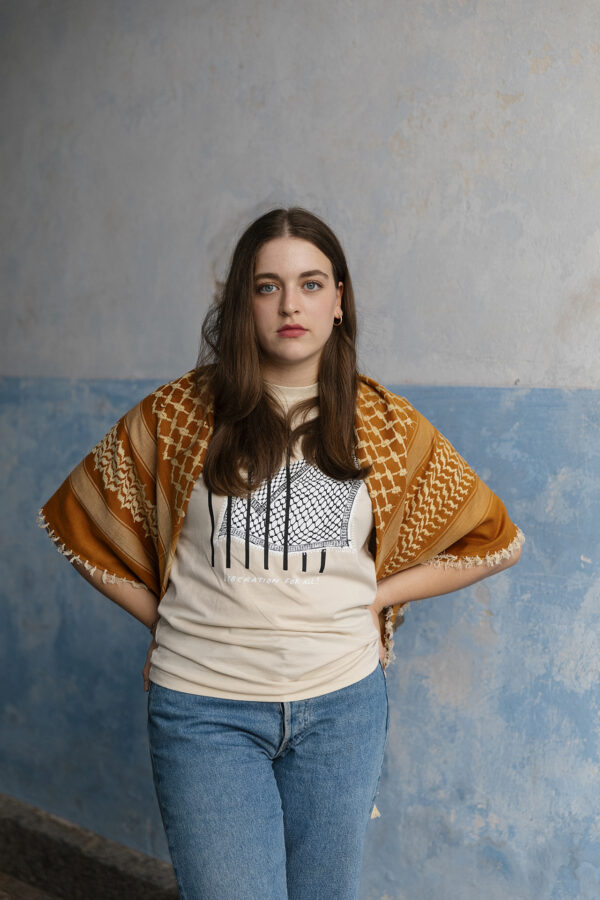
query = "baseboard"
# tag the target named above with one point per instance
(72, 863)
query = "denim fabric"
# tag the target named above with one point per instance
(267, 800)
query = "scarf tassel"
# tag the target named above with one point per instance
(448, 560)
(107, 577)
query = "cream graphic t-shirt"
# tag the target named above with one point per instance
(267, 596)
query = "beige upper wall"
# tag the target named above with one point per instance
(454, 146)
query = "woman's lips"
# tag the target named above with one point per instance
(291, 331)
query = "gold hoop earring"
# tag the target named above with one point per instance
(340, 319)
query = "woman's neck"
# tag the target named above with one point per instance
(287, 376)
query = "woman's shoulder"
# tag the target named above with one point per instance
(381, 400)
(180, 405)
(182, 394)
(389, 418)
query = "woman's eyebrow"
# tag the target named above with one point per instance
(301, 275)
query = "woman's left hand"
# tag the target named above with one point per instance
(146, 669)
(375, 617)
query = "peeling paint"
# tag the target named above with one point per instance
(507, 100)
(576, 662)
(576, 57)
(398, 145)
(580, 310)
(540, 64)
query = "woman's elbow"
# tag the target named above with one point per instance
(511, 560)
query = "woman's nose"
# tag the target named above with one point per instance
(288, 303)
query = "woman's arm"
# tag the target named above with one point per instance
(422, 581)
(141, 603)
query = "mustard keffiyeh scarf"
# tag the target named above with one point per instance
(121, 509)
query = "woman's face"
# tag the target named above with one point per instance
(293, 286)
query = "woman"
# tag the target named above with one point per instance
(268, 515)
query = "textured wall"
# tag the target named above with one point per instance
(454, 144)
(455, 147)
(492, 770)
(491, 776)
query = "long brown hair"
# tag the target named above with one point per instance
(251, 431)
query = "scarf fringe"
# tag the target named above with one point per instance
(388, 640)
(448, 560)
(107, 577)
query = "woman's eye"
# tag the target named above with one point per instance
(315, 285)
(263, 288)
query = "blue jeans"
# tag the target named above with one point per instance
(264, 800)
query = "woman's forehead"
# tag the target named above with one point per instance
(290, 253)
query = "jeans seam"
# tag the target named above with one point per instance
(387, 722)
(157, 783)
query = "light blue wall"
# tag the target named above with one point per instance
(453, 146)
(491, 780)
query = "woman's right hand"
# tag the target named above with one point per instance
(146, 669)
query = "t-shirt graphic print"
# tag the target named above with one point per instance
(299, 510)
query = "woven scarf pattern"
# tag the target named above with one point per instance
(121, 509)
